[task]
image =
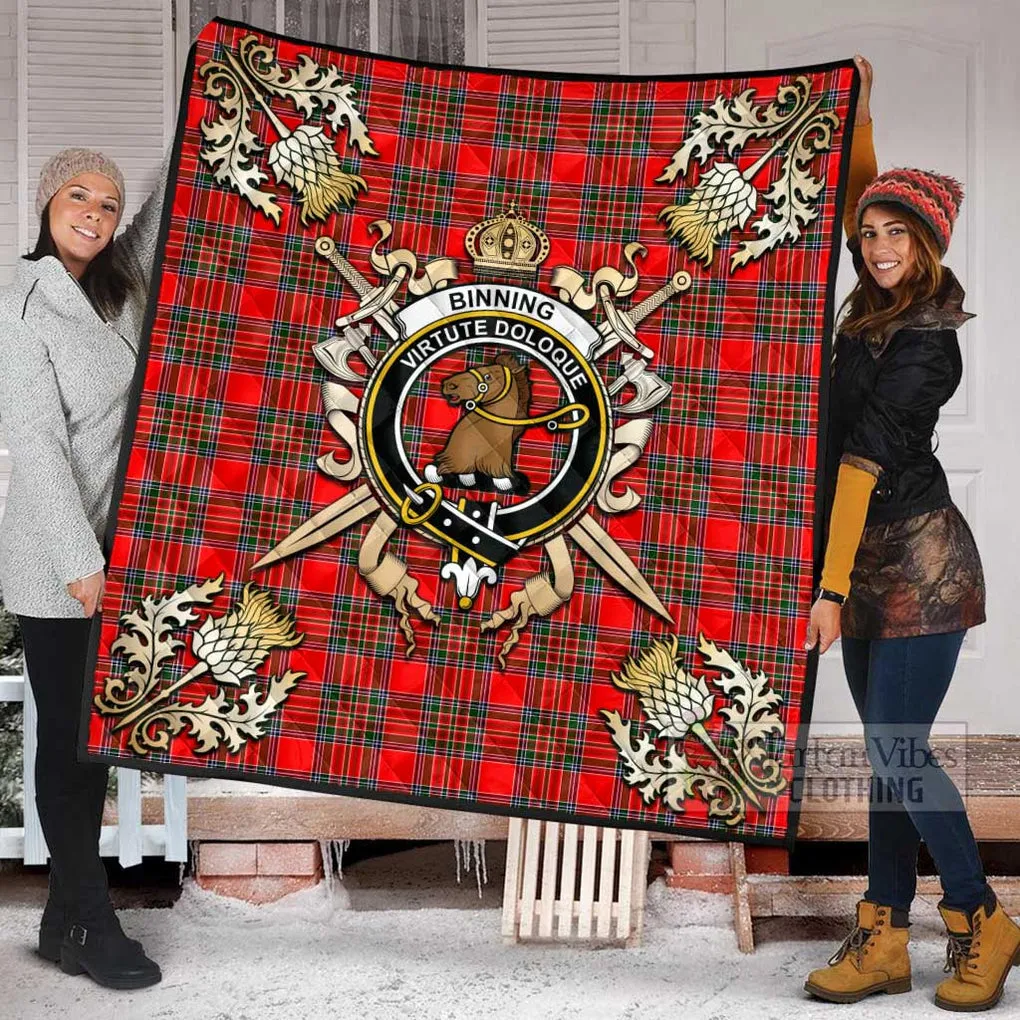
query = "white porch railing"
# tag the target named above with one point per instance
(129, 840)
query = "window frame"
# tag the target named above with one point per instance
(181, 15)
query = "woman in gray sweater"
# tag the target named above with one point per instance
(70, 325)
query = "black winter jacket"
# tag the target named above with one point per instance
(885, 396)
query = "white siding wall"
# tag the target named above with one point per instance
(8, 173)
(8, 137)
(662, 36)
(583, 36)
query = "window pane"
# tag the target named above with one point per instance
(422, 29)
(328, 22)
(260, 13)
(415, 29)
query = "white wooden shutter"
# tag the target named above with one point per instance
(98, 74)
(94, 73)
(588, 36)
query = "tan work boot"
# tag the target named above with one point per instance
(872, 958)
(980, 951)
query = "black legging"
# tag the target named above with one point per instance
(68, 794)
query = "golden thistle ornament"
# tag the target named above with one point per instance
(673, 700)
(677, 704)
(303, 158)
(232, 648)
(722, 200)
(725, 197)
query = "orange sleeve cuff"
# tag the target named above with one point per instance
(846, 525)
(863, 170)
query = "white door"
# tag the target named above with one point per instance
(947, 91)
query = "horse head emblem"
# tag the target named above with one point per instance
(479, 453)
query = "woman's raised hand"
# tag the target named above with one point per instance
(864, 69)
(89, 592)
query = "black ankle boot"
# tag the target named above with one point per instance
(108, 956)
(54, 925)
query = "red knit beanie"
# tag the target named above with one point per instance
(934, 198)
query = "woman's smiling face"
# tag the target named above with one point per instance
(886, 245)
(83, 216)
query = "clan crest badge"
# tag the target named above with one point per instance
(486, 425)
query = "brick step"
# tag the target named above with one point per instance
(258, 872)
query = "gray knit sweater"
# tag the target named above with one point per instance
(65, 377)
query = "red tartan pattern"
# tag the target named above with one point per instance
(229, 423)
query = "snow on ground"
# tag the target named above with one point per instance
(308, 957)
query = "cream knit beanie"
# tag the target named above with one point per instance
(66, 165)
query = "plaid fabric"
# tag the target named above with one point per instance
(228, 425)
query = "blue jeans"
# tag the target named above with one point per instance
(898, 685)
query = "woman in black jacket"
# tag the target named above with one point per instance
(902, 581)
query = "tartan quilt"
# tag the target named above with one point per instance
(474, 450)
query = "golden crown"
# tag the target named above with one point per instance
(507, 244)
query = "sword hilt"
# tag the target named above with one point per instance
(679, 282)
(326, 247)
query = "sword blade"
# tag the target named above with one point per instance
(329, 521)
(678, 283)
(603, 549)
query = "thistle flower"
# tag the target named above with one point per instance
(688, 696)
(723, 199)
(305, 159)
(232, 647)
(673, 700)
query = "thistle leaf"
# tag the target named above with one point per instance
(753, 716)
(733, 122)
(145, 641)
(312, 89)
(793, 194)
(230, 144)
(669, 776)
(216, 721)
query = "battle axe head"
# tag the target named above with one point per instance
(649, 388)
(334, 354)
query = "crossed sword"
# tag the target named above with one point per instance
(589, 535)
